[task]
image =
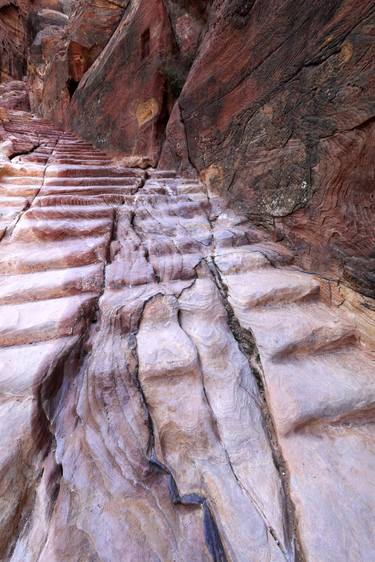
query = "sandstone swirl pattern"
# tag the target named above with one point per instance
(172, 388)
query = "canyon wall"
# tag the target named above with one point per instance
(63, 50)
(278, 115)
(13, 38)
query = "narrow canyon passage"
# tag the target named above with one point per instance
(172, 387)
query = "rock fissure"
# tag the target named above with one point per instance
(211, 531)
(238, 480)
(248, 347)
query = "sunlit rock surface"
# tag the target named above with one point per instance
(172, 386)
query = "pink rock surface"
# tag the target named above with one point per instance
(172, 387)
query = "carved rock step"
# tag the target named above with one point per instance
(65, 160)
(50, 284)
(55, 229)
(26, 191)
(18, 258)
(16, 201)
(74, 142)
(74, 171)
(271, 287)
(319, 385)
(80, 158)
(75, 145)
(295, 330)
(162, 174)
(240, 260)
(91, 189)
(178, 207)
(30, 176)
(78, 150)
(89, 181)
(88, 211)
(34, 322)
(101, 199)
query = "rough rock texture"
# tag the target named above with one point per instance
(135, 124)
(172, 386)
(66, 38)
(48, 66)
(13, 39)
(152, 47)
(13, 95)
(278, 114)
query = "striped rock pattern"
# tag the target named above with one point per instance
(172, 388)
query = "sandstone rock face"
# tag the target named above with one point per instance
(278, 115)
(172, 386)
(188, 22)
(67, 37)
(13, 95)
(152, 47)
(13, 39)
(138, 54)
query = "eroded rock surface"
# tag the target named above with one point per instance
(172, 386)
(278, 116)
(13, 38)
(67, 37)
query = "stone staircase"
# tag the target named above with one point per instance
(171, 386)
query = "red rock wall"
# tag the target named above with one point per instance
(278, 115)
(13, 39)
(144, 66)
(66, 40)
(123, 102)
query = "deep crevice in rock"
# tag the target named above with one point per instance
(211, 532)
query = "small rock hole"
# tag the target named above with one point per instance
(72, 86)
